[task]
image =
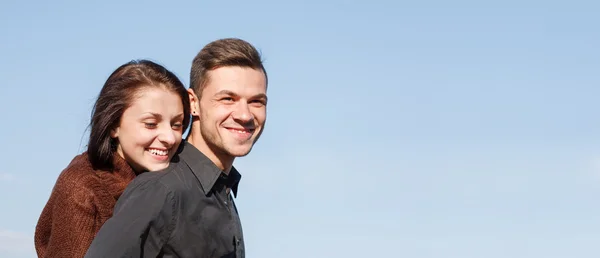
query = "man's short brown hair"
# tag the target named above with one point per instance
(221, 53)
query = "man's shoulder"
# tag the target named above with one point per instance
(169, 180)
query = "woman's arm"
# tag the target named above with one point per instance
(66, 227)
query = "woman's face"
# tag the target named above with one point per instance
(150, 130)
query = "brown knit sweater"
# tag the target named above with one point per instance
(81, 201)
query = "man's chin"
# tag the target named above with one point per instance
(239, 151)
(240, 154)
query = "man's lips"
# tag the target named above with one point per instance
(240, 130)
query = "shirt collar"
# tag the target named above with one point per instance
(206, 171)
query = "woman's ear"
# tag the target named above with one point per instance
(114, 133)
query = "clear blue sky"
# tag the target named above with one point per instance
(427, 129)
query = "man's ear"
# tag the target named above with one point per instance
(194, 103)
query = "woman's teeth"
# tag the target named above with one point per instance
(158, 152)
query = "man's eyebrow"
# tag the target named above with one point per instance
(226, 92)
(260, 96)
(231, 93)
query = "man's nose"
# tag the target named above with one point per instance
(242, 113)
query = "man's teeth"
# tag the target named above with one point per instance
(240, 131)
(158, 152)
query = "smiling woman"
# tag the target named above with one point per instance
(150, 129)
(136, 126)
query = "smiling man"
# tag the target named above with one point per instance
(187, 210)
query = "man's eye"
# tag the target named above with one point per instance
(258, 102)
(228, 99)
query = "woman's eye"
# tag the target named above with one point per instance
(150, 125)
(177, 126)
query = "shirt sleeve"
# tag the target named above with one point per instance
(141, 224)
(72, 223)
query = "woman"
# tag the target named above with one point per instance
(136, 126)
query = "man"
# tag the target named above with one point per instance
(186, 210)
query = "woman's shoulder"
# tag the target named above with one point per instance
(78, 176)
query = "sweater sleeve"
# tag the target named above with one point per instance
(67, 225)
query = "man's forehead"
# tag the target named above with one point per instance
(247, 82)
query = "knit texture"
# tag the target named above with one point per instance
(80, 202)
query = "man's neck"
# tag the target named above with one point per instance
(223, 163)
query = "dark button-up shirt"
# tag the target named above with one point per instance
(183, 211)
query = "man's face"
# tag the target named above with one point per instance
(232, 110)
